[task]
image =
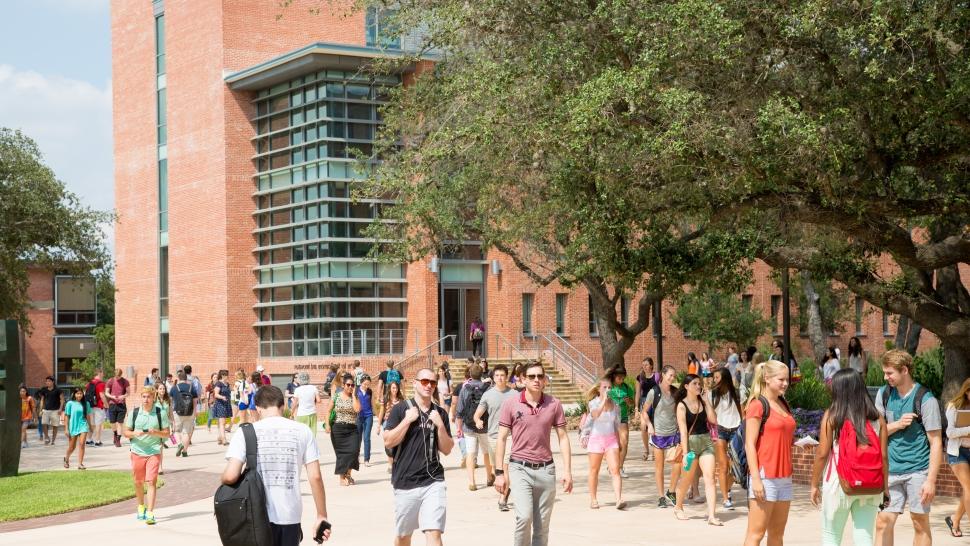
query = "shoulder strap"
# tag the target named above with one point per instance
(134, 418)
(765, 412)
(692, 425)
(884, 396)
(158, 415)
(249, 435)
(921, 393)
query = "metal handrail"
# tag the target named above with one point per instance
(401, 363)
(499, 337)
(576, 369)
(575, 350)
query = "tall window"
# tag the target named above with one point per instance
(561, 313)
(776, 314)
(746, 300)
(859, 307)
(379, 31)
(885, 324)
(594, 329)
(625, 311)
(528, 301)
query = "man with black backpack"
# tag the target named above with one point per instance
(184, 398)
(283, 446)
(476, 438)
(914, 423)
(94, 395)
(147, 427)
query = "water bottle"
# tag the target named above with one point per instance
(689, 460)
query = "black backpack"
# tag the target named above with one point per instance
(921, 393)
(183, 402)
(91, 394)
(240, 508)
(471, 405)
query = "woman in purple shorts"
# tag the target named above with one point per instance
(664, 434)
(604, 425)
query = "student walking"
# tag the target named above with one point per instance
(958, 454)
(694, 414)
(830, 365)
(767, 444)
(76, 425)
(852, 439)
(488, 410)
(444, 386)
(184, 398)
(210, 401)
(27, 412)
(242, 389)
(476, 334)
(116, 392)
(365, 418)
(345, 407)
(530, 417)
(146, 427)
(52, 407)
(164, 402)
(727, 408)
(913, 418)
(622, 396)
(282, 448)
(290, 389)
(394, 396)
(222, 408)
(476, 437)
(305, 399)
(417, 433)
(96, 388)
(646, 381)
(858, 360)
(604, 425)
(664, 433)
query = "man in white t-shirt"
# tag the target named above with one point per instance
(282, 447)
(307, 397)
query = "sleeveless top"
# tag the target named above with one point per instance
(693, 427)
(855, 362)
(345, 410)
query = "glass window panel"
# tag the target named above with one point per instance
(462, 273)
(359, 111)
(361, 270)
(338, 270)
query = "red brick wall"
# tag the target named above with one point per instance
(803, 459)
(38, 357)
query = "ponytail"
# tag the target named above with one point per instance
(762, 372)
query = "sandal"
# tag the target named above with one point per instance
(953, 532)
(81, 467)
(343, 481)
(66, 464)
(594, 505)
(621, 505)
(679, 514)
(715, 522)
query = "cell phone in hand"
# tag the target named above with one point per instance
(318, 536)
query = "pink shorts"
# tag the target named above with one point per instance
(145, 469)
(602, 443)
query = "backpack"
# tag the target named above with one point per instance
(657, 395)
(134, 417)
(91, 394)
(183, 402)
(736, 452)
(921, 393)
(471, 405)
(393, 376)
(859, 467)
(240, 508)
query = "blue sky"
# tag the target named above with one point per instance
(55, 86)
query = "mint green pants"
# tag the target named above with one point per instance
(863, 522)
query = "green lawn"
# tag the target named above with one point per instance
(34, 494)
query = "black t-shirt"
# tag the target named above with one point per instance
(416, 458)
(51, 398)
(646, 384)
(382, 377)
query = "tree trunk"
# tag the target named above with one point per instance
(815, 333)
(956, 366)
(10, 425)
(612, 348)
(902, 331)
(912, 338)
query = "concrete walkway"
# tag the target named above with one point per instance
(363, 514)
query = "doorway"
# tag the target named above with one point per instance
(460, 304)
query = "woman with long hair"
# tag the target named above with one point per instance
(444, 386)
(622, 396)
(694, 415)
(242, 399)
(727, 407)
(343, 432)
(394, 396)
(769, 454)
(604, 425)
(221, 406)
(958, 454)
(164, 402)
(852, 407)
(693, 365)
(664, 434)
(365, 417)
(76, 424)
(646, 380)
(27, 411)
(858, 360)
(830, 365)
(744, 374)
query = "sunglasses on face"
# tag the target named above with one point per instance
(535, 376)
(426, 382)
(348, 384)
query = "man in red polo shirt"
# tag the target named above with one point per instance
(530, 418)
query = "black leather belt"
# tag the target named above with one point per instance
(533, 466)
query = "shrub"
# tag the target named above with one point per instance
(928, 369)
(810, 393)
(874, 377)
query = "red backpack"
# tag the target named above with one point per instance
(859, 467)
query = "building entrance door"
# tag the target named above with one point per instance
(459, 307)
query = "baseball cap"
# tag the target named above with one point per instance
(259, 368)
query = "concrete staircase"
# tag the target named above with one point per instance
(557, 384)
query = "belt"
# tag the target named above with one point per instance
(533, 466)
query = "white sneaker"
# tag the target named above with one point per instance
(623, 473)
(23, 445)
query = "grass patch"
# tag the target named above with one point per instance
(35, 494)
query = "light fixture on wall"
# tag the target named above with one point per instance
(433, 266)
(496, 268)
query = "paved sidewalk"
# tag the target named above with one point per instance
(363, 514)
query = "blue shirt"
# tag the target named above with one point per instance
(909, 449)
(366, 408)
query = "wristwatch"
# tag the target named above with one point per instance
(499, 472)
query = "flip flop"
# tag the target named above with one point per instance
(679, 514)
(66, 464)
(594, 505)
(715, 522)
(949, 523)
(621, 505)
(81, 467)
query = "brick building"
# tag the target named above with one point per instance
(237, 240)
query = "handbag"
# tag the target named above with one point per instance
(585, 429)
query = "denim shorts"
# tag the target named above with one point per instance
(963, 457)
(776, 489)
(726, 434)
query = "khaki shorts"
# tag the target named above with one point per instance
(420, 509)
(478, 442)
(184, 423)
(50, 418)
(492, 442)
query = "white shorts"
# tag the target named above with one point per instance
(478, 442)
(492, 442)
(421, 508)
(97, 417)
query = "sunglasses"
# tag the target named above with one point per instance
(534, 376)
(426, 382)
(348, 384)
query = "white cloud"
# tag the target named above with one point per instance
(71, 122)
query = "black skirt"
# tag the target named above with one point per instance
(346, 445)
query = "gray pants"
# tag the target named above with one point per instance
(534, 494)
